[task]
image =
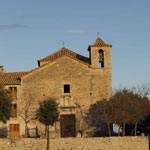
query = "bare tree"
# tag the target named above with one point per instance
(83, 124)
(101, 112)
(122, 101)
(143, 90)
(140, 109)
(130, 107)
(26, 109)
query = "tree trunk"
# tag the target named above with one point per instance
(108, 124)
(135, 128)
(26, 129)
(124, 128)
(119, 129)
(48, 141)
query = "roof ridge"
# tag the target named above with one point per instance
(100, 42)
(15, 72)
(61, 52)
(52, 54)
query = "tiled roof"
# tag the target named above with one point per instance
(64, 51)
(14, 78)
(100, 43)
(11, 78)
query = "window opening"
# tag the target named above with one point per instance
(13, 92)
(101, 58)
(66, 88)
(13, 110)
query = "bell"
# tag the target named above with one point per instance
(101, 58)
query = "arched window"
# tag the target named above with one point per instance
(101, 58)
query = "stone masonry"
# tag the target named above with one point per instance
(113, 143)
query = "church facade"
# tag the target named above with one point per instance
(73, 80)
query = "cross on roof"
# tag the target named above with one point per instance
(63, 43)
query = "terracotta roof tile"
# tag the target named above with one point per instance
(100, 43)
(64, 51)
(11, 78)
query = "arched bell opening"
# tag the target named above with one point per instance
(101, 58)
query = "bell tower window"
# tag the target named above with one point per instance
(101, 58)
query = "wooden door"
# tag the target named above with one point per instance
(67, 125)
(14, 130)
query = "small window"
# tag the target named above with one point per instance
(66, 88)
(15, 106)
(13, 110)
(13, 92)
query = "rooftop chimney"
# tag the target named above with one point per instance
(2, 70)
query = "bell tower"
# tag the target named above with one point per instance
(100, 64)
(100, 54)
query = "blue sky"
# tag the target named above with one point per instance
(33, 29)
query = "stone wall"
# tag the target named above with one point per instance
(113, 143)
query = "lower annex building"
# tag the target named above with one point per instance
(75, 81)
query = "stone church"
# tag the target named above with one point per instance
(73, 80)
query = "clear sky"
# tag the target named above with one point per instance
(33, 29)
